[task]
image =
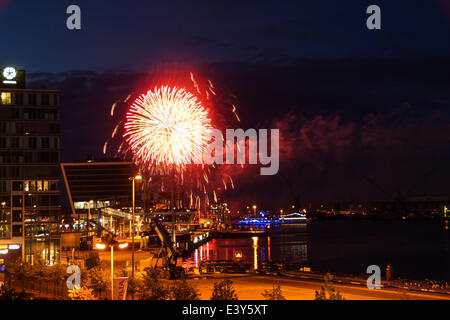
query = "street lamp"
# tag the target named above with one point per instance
(111, 243)
(254, 209)
(133, 180)
(89, 216)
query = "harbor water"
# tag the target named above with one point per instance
(416, 250)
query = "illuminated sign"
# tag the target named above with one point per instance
(12, 77)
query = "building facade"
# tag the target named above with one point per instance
(29, 168)
(101, 191)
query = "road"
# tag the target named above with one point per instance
(250, 287)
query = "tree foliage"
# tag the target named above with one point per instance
(151, 288)
(327, 292)
(82, 293)
(223, 290)
(273, 294)
(182, 290)
(97, 278)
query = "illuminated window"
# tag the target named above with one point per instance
(6, 97)
(26, 186)
(45, 185)
(39, 185)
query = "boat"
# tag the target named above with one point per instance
(258, 221)
(293, 218)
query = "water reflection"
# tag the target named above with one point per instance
(284, 244)
(416, 250)
(255, 253)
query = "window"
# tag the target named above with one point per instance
(32, 98)
(17, 201)
(45, 143)
(19, 98)
(32, 143)
(5, 230)
(6, 97)
(14, 142)
(28, 156)
(45, 99)
(17, 186)
(53, 185)
(17, 216)
(17, 231)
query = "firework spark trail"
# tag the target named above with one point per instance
(234, 111)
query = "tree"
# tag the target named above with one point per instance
(82, 293)
(328, 292)
(97, 278)
(152, 288)
(182, 290)
(224, 290)
(273, 294)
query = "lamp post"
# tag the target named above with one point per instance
(112, 244)
(254, 210)
(112, 272)
(172, 206)
(133, 190)
(89, 217)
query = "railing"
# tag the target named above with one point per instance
(41, 288)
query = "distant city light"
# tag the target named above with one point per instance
(123, 245)
(100, 246)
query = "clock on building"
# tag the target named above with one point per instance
(9, 73)
(11, 77)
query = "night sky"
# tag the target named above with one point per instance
(363, 114)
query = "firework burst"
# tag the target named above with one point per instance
(167, 126)
(167, 129)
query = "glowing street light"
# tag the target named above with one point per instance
(100, 246)
(112, 244)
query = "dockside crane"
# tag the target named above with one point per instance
(168, 250)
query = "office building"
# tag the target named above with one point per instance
(29, 168)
